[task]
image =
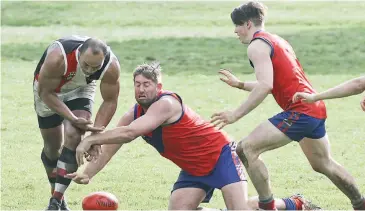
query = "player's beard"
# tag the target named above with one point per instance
(145, 103)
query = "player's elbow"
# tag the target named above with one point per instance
(266, 87)
(359, 85)
(43, 93)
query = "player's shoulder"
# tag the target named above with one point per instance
(55, 54)
(258, 47)
(55, 60)
(113, 72)
(167, 103)
(169, 99)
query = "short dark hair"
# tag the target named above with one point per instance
(151, 71)
(95, 45)
(252, 10)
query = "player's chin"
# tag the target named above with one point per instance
(144, 102)
(245, 42)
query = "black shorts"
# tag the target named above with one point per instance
(56, 120)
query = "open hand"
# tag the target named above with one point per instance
(304, 97)
(222, 119)
(78, 178)
(229, 78)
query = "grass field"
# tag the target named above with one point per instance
(192, 40)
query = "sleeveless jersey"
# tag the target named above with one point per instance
(289, 77)
(73, 77)
(191, 143)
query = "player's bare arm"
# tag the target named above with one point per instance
(109, 89)
(49, 78)
(348, 88)
(233, 81)
(163, 111)
(259, 53)
(108, 151)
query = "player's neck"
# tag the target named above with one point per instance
(145, 108)
(256, 29)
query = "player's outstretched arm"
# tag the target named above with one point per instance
(259, 54)
(348, 88)
(107, 152)
(109, 89)
(156, 115)
(233, 81)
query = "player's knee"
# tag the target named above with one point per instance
(245, 152)
(49, 160)
(322, 166)
(319, 169)
(51, 151)
(72, 138)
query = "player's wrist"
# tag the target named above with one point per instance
(72, 118)
(240, 85)
(89, 175)
(237, 114)
(316, 97)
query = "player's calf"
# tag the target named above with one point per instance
(50, 167)
(66, 164)
(341, 178)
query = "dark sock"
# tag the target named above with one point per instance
(66, 164)
(267, 204)
(50, 167)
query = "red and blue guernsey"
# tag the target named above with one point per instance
(289, 77)
(192, 143)
(298, 120)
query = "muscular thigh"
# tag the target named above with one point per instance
(73, 135)
(186, 198)
(317, 151)
(235, 196)
(52, 139)
(264, 137)
(82, 108)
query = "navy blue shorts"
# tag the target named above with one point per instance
(298, 126)
(228, 169)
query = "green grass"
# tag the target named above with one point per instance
(192, 40)
(125, 14)
(327, 51)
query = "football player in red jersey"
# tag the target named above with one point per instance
(64, 87)
(352, 87)
(205, 154)
(278, 72)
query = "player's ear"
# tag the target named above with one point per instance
(159, 86)
(249, 24)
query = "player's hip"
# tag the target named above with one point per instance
(226, 170)
(85, 92)
(297, 125)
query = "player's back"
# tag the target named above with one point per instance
(289, 77)
(191, 142)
